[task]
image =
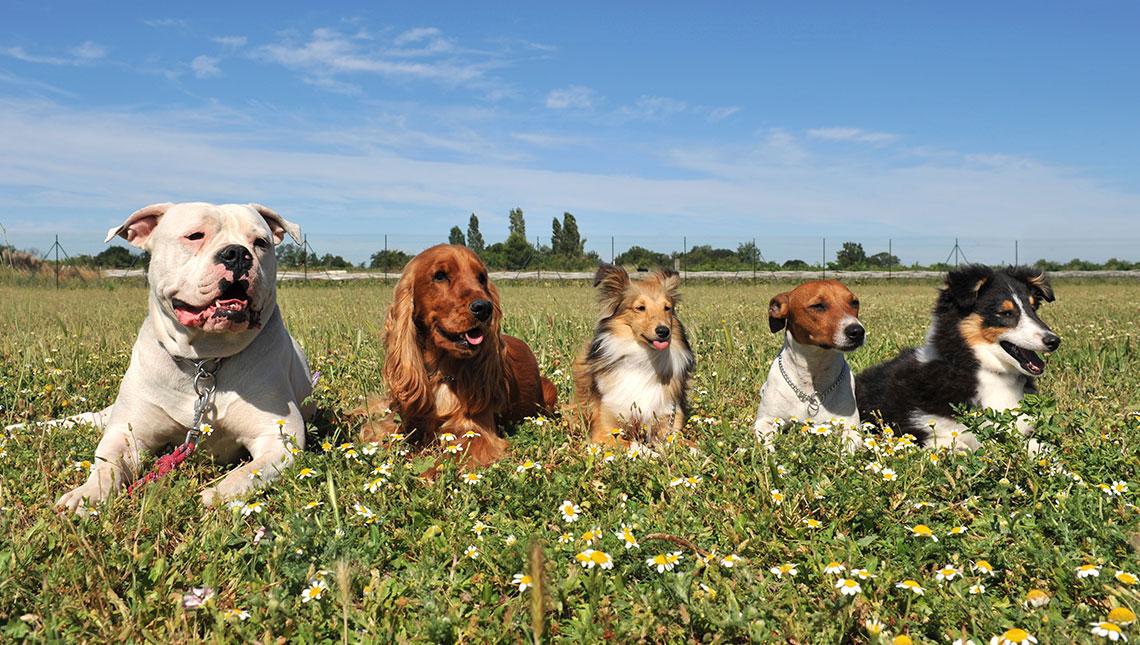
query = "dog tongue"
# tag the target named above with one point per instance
(661, 344)
(474, 337)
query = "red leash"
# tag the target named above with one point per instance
(165, 464)
(204, 386)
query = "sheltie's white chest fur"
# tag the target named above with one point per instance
(638, 383)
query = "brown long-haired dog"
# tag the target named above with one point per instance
(448, 368)
(633, 375)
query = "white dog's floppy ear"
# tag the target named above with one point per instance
(137, 228)
(279, 225)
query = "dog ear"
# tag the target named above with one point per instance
(404, 371)
(138, 226)
(670, 281)
(279, 225)
(1035, 279)
(963, 284)
(778, 312)
(611, 281)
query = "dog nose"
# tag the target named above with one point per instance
(236, 258)
(662, 332)
(1052, 341)
(481, 309)
(854, 333)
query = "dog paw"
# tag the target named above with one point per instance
(80, 497)
(211, 497)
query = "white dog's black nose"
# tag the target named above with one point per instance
(662, 332)
(854, 332)
(482, 309)
(236, 258)
(1052, 341)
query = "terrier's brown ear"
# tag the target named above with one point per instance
(778, 312)
(611, 281)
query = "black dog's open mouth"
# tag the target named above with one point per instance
(233, 304)
(469, 339)
(1027, 359)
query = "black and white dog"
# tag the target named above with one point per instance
(981, 350)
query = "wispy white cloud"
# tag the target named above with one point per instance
(166, 23)
(546, 140)
(854, 135)
(328, 53)
(102, 163)
(86, 53)
(205, 66)
(574, 97)
(652, 108)
(231, 42)
(722, 113)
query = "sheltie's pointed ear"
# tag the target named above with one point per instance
(963, 284)
(778, 312)
(670, 281)
(611, 281)
(1035, 279)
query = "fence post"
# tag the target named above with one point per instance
(755, 252)
(612, 260)
(684, 252)
(305, 256)
(538, 252)
(890, 258)
(823, 259)
(385, 258)
(1015, 253)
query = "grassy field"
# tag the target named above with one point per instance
(434, 561)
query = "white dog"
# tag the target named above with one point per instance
(212, 310)
(810, 378)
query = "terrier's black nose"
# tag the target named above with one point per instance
(854, 332)
(236, 258)
(1052, 341)
(482, 309)
(662, 332)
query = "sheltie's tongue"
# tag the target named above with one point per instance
(474, 337)
(661, 345)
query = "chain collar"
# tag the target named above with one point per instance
(815, 399)
(204, 386)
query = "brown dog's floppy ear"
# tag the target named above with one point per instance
(963, 284)
(611, 281)
(404, 371)
(138, 226)
(279, 225)
(778, 312)
(670, 281)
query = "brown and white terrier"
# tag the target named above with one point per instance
(632, 377)
(448, 367)
(810, 378)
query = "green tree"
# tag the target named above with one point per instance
(643, 258)
(456, 237)
(570, 243)
(556, 236)
(748, 254)
(883, 260)
(850, 255)
(474, 237)
(390, 260)
(517, 225)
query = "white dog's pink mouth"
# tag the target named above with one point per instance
(230, 308)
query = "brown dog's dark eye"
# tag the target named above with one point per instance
(261, 243)
(668, 308)
(640, 307)
(855, 303)
(482, 278)
(440, 276)
(819, 306)
(194, 237)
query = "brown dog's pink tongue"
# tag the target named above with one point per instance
(474, 338)
(661, 344)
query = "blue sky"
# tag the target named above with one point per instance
(715, 121)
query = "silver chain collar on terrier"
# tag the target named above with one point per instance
(815, 399)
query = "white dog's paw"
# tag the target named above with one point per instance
(89, 494)
(211, 497)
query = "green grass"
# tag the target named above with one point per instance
(121, 574)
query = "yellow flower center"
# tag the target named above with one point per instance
(1015, 635)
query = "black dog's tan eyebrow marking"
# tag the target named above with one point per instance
(1006, 305)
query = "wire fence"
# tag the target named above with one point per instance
(345, 256)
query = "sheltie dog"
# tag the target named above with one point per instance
(981, 350)
(632, 377)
